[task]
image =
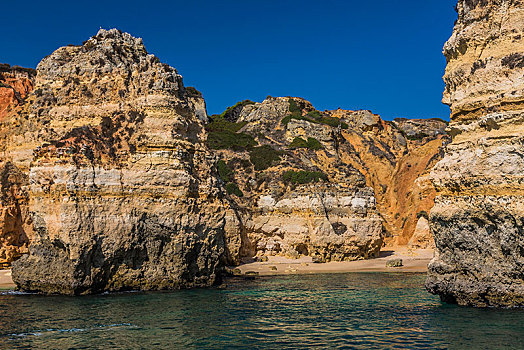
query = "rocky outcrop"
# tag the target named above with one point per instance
(15, 84)
(294, 199)
(122, 190)
(325, 183)
(395, 158)
(478, 217)
(328, 223)
(116, 176)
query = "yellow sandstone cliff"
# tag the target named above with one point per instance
(478, 217)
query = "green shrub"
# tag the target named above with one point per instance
(315, 115)
(220, 124)
(230, 140)
(295, 112)
(264, 157)
(303, 177)
(298, 142)
(311, 143)
(331, 121)
(286, 119)
(232, 188)
(224, 171)
(224, 135)
(238, 104)
(312, 117)
(294, 107)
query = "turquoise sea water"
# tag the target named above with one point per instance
(351, 311)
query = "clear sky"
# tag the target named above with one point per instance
(382, 55)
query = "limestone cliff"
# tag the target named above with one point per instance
(15, 85)
(117, 178)
(478, 217)
(122, 192)
(324, 183)
(15, 228)
(396, 158)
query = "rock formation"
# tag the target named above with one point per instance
(122, 191)
(114, 173)
(308, 181)
(15, 228)
(396, 158)
(15, 85)
(478, 218)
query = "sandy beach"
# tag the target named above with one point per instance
(413, 261)
(6, 281)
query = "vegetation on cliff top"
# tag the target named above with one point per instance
(312, 117)
(236, 106)
(224, 134)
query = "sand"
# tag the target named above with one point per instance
(413, 261)
(6, 281)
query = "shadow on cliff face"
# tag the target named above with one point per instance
(151, 257)
(14, 240)
(127, 192)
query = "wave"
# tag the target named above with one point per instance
(15, 292)
(38, 333)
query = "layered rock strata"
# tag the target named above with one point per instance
(116, 176)
(15, 84)
(122, 192)
(396, 158)
(329, 182)
(478, 217)
(15, 225)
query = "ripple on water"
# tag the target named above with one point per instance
(356, 311)
(51, 331)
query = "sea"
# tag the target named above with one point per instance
(318, 311)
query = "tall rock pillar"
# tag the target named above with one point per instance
(478, 218)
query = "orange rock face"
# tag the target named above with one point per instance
(396, 157)
(15, 230)
(15, 84)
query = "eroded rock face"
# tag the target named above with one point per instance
(324, 222)
(395, 158)
(111, 176)
(422, 238)
(15, 84)
(15, 225)
(320, 196)
(122, 191)
(478, 217)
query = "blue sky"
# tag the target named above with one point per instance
(381, 55)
